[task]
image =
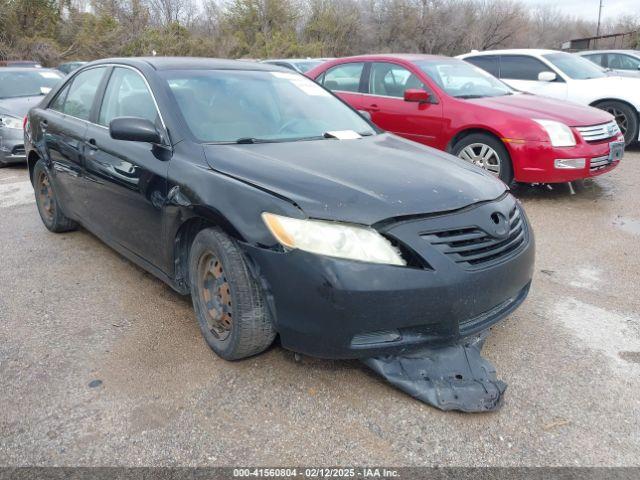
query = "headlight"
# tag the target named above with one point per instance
(559, 134)
(10, 122)
(333, 239)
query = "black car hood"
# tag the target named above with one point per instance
(361, 181)
(18, 106)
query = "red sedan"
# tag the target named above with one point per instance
(454, 106)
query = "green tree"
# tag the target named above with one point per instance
(333, 28)
(262, 28)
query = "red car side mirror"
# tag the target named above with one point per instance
(416, 95)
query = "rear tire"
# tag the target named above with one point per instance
(47, 202)
(626, 118)
(488, 153)
(228, 301)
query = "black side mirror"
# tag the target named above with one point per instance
(134, 129)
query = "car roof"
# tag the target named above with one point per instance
(633, 52)
(292, 60)
(409, 57)
(513, 51)
(189, 63)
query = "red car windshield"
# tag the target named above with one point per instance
(463, 80)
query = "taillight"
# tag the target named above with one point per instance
(24, 122)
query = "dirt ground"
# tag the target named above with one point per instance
(102, 364)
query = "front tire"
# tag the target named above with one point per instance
(487, 152)
(47, 202)
(626, 118)
(228, 302)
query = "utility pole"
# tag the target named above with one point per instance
(599, 17)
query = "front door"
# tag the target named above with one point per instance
(420, 122)
(127, 179)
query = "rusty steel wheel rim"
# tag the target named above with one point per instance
(45, 196)
(215, 296)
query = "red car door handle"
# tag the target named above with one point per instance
(373, 107)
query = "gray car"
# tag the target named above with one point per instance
(622, 62)
(20, 89)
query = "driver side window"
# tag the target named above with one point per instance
(391, 80)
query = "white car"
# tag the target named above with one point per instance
(622, 62)
(567, 77)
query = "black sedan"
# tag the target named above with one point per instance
(277, 207)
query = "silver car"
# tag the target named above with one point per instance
(20, 89)
(622, 62)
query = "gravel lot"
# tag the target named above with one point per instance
(72, 311)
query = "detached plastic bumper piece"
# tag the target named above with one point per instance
(452, 377)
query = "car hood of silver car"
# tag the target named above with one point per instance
(18, 106)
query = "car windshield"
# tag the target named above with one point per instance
(463, 80)
(307, 65)
(245, 106)
(575, 67)
(27, 83)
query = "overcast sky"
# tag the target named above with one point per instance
(588, 9)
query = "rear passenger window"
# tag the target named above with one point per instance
(82, 93)
(391, 80)
(488, 63)
(58, 102)
(127, 95)
(520, 67)
(344, 77)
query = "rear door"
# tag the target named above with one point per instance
(420, 122)
(64, 125)
(127, 179)
(521, 72)
(345, 80)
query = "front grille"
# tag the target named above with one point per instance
(599, 163)
(473, 247)
(596, 133)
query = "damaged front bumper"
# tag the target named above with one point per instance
(452, 377)
(334, 308)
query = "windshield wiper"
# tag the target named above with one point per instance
(245, 140)
(466, 97)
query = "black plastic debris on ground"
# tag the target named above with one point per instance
(452, 377)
